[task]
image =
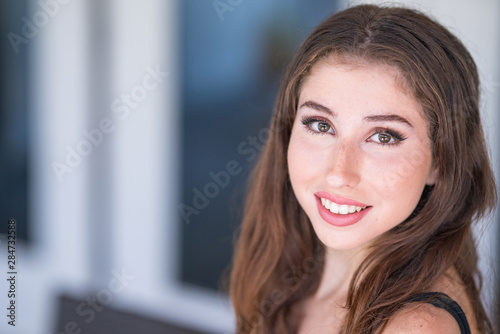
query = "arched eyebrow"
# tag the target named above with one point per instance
(318, 107)
(388, 118)
(372, 118)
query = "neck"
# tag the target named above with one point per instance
(338, 272)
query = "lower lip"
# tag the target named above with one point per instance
(337, 219)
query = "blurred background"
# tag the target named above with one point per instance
(127, 131)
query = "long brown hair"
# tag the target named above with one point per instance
(278, 260)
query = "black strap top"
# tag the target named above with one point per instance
(442, 300)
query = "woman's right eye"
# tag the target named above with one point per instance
(317, 126)
(321, 127)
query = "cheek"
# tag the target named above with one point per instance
(400, 178)
(303, 163)
(296, 161)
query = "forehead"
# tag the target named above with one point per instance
(366, 85)
(348, 63)
(351, 64)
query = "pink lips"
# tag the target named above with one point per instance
(337, 219)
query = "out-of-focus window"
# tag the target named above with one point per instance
(234, 54)
(16, 29)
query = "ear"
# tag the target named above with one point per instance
(432, 176)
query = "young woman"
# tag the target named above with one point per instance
(359, 214)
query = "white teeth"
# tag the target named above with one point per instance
(340, 209)
(334, 207)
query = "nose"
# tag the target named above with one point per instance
(344, 168)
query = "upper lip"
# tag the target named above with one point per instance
(339, 200)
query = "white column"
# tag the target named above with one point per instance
(146, 113)
(56, 260)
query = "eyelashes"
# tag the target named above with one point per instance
(387, 136)
(317, 125)
(381, 136)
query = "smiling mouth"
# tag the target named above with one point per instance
(340, 209)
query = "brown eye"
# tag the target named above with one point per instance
(384, 138)
(318, 126)
(323, 127)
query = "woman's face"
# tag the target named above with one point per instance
(359, 153)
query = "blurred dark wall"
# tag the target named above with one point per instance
(233, 59)
(14, 182)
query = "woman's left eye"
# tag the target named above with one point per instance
(386, 137)
(383, 138)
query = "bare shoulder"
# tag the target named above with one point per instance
(419, 318)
